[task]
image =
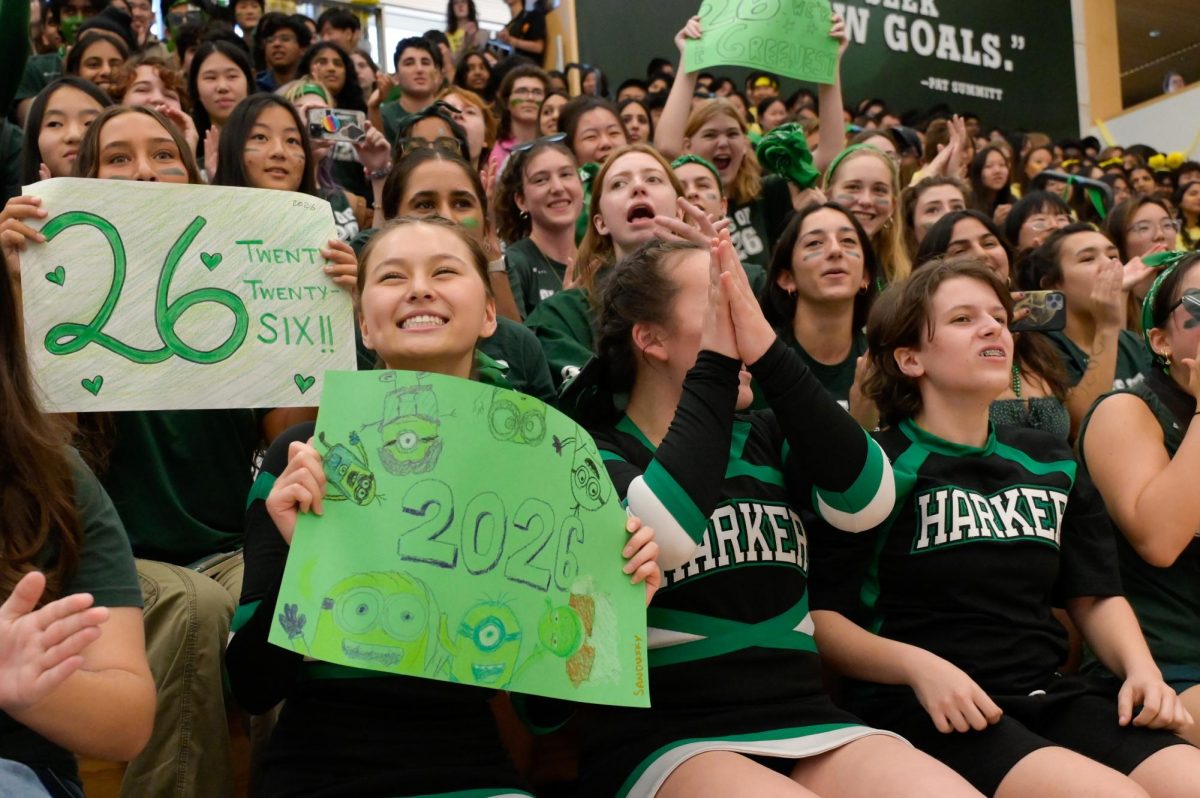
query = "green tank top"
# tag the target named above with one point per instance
(1166, 600)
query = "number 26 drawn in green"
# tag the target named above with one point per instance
(70, 337)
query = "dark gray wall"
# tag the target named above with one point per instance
(1022, 49)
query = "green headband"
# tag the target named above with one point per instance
(841, 156)
(785, 152)
(696, 159)
(1167, 261)
(315, 89)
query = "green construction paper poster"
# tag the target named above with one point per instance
(785, 37)
(470, 534)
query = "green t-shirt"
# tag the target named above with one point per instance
(11, 140)
(512, 351)
(755, 227)
(837, 378)
(563, 326)
(1132, 359)
(106, 571)
(179, 480)
(344, 220)
(521, 360)
(532, 274)
(40, 70)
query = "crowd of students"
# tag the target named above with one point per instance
(890, 546)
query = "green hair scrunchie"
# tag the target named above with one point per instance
(696, 159)
(785, 152)
(1167, 261)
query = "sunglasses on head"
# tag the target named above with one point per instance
(444, 143)
(1190, 301)
(553, 138)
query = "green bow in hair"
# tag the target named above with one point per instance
(587, 174)
(785, 152)
(1092, 194)
(1167, 261)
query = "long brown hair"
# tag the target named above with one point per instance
(889, 240)
(513, 224)
(36, 487)
(596, 250)
(87, 163)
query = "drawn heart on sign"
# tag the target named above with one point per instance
(303, 383)
(58, 276)
(93, 385)
(211, 259)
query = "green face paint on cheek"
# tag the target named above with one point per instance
(469, 222)
(174, 172)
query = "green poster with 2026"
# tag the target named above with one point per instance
(469, 534)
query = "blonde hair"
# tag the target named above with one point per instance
(596, 250)
(294, 90)
(747, 184)
(890, 241)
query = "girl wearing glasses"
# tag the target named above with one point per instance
(1033, 218)
(519, 99)
(1138, 445)
(536, 204)
(1140, 226)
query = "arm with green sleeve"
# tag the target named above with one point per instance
(852, 483)
(682, 484)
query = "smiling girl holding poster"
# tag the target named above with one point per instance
(424, 304)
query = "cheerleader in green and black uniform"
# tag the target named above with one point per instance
(943, 612)
(737, 703)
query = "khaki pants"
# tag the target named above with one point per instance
(187, 615)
